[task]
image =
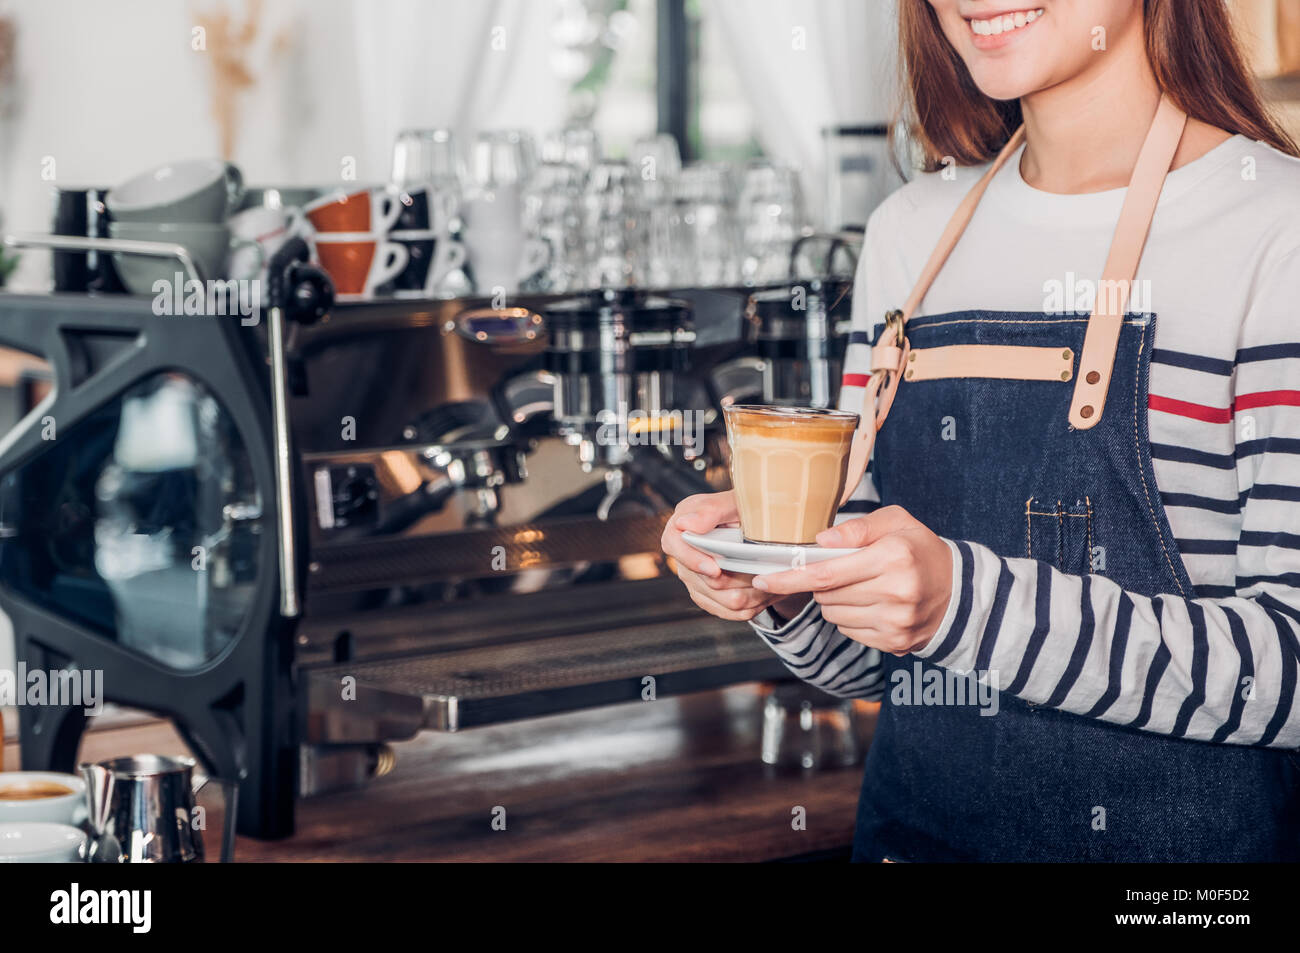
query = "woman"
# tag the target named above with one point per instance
(1089, 477)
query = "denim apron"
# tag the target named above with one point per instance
(998, 461)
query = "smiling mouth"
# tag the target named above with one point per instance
(1005, 23)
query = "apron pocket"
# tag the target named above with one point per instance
(1060, 533)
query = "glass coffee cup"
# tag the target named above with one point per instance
(788, 467)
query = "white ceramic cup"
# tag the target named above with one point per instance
(39, 842)
(448, 255)
(257, 233)
(196, 190)
(499, 252)
(63, 809)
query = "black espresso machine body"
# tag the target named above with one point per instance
(455, 521)
(138, 542)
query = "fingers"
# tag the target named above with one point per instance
(688, 557)
(832, 573)
(705, 511)
(737, 604)
(697, 514)
(870, 592)
(724, 580)
(865, 530)
(744, 613)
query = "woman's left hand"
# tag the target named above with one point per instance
(891, 595)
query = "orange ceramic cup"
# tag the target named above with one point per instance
(358, 264)
(365, 210)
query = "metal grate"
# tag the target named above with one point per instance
(563, 660)
(479, 685)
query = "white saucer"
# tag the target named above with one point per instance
(36, 842)
(730, 551)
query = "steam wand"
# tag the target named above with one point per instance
(297, 291)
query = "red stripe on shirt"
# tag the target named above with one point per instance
(856, 380)
(1269, 398)
(1183, 408)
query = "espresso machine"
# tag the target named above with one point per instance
(310, 535)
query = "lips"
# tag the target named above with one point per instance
(1003, 23)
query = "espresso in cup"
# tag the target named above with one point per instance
(45, 796)
(788, 466)
(33, 791)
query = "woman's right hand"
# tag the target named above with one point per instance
(727, 595)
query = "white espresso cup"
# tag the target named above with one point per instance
(69, 808)
(257, 233)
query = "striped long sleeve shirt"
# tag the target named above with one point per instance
(1222, 270)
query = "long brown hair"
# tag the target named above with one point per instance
(1192, 46)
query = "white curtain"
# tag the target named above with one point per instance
(808, 64)
(454, 64)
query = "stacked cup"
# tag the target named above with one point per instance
(41, 814)
(182, 203)
(428, 173)
(423, 228)
(386, 241)
(352, 240)
(503, 255)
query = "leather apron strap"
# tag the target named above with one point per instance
(891, 354)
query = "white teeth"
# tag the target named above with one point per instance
(1005, 23)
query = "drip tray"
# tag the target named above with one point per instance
(394, 699)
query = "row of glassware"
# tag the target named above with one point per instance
(561, 216)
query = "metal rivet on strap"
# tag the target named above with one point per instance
(1065, 375)
(1093, 377)
(912, 356)
(910, 374)
(1086, 411)
(1067, 354)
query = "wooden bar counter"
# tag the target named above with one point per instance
(678, 779)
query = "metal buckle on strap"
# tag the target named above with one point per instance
(894, 322)
(895, 340)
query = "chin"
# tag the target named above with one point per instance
(1007, 81)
